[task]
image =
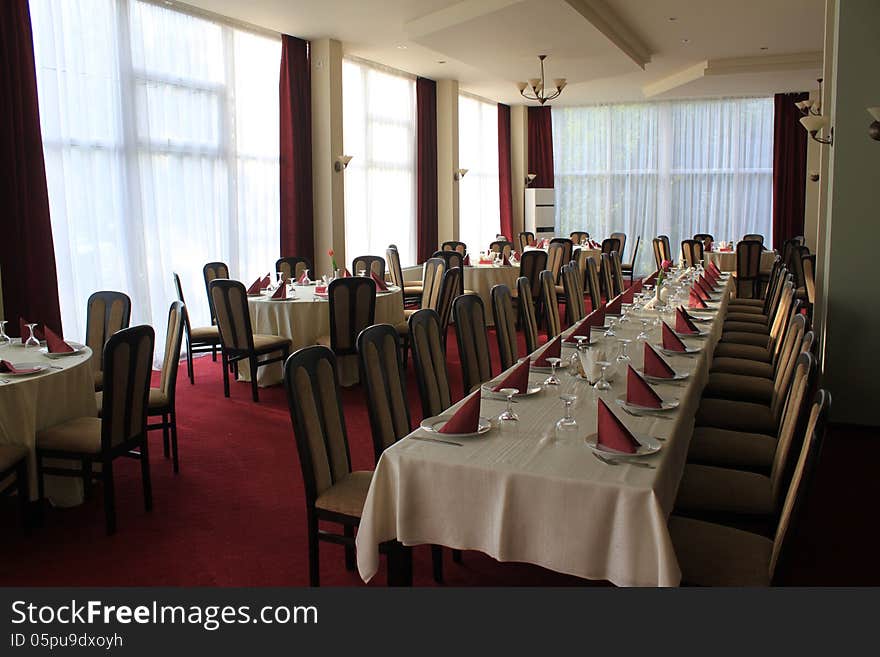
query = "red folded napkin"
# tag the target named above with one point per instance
(8, 368)
(265, 282)
(637, 286)
(701, 290)
(671, 341)
(55, 344)
(380, 284)
(613, 306)
(708, 284)
(255, 286)
(639, 392)
(25, 333)
(683, 323)
(320, 289)
(597, 317)
(506, 261)
(655, 365)
(467, 260)
(612, 433)
(714, 269)
(628, 293)
(553, 350)
(467, 418)
(302, 279)
(280, 293)
(694, 300)
(518, 378)
(711, 276)
(650, 280)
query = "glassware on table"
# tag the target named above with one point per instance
(624, 312)
(602, 384)
(553, 380)
(583, 342)
(609, 333)
(643, 335)
(623, 359)
(362, 272)
(507, 414)
(305, 278)
(279, 279)
(567, 425)
(32, 337)
(4, 339)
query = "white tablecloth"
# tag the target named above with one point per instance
(32, 403)
(726, 260)
(304, 320)
(518, 494)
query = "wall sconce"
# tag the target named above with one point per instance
(341, 162)
(459, 174)
(874, 128)
(812, 118)
(530, 178)
(814, 176)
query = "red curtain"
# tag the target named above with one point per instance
(541, 146)
(27, 255)
(789, 168)
(426, 166)
(505, 188)
(295, 94)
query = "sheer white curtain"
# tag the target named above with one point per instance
(379, 128)
(479, 205)
(160, 132)
(674, 168)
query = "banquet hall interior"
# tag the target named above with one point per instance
(438, 292)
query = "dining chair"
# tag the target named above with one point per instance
(759, 305)
(238, 342)
(550, 303)
(621, 237)
(453, 259)
(808, 265)
(453, 245)
(412, 292)
(162, 400)
(748, 269)
(352, 309)
(617, 274)
(120, 431)
(574, 294)
(702, 237)
(199, 340)
(211, 271)
(473, 342)
(579, 236)
(657, 245)
(292, 267)
(567, 248)
(505, 325)
(503, 247)
(14, 478)
(429, 359)
(606, 276)
(630, 267)
(692, 252)
(369, 263)
(106, 313)
(448, 291)
(593, 282)
(712, 554)
(527, 316)
(610, 244)
(526, 239)
(751, 237)
(531, 264)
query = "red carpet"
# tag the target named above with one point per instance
(234, 516)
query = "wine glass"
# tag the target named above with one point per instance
(643, 335)
(609, 333)
(623, 358)
(362, 272)
(567, 425)
(281, 279)
(583, 341)
(553, 380)
(32, 338)
(305, 278)
(508, 414)
(624, 309)
(4, 339)
(602, 384)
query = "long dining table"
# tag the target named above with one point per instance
(523, 493)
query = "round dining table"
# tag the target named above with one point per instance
(63, 390)
(480, 279)
(305, 318)
(726, 260)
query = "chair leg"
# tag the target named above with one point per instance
(145, 474)
(437, 562)
(225, 374)
(24, 494)
(456, 556)
(314, 562)
(166, 439)
(214, 352)
(255, 389)
(189, 362)
(350, 559)
(174, 458)
(109, 496)
(87, 478)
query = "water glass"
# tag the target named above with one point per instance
(508, 414)
(602, 384)
(4, 339)
(32, 337)
(567, 425)
(553, 380)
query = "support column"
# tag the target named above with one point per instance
(447, 160)
(519, 158)
(328, 185)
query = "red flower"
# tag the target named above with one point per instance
(330, 253)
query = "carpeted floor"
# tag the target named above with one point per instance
(234, 516)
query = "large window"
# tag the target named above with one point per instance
(160, 132)
(479, 212)
(379, 112)
(674, 168)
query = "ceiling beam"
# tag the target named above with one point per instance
(677, 79)
(610, 24)
(456, 14)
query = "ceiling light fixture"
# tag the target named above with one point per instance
(534, 88)
(812, 118)
(341, 162)
(458, 174)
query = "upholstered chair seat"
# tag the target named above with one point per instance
(732, 449)
(743, 351)
(754, 318)
(156, 400)
(204, 333)
(737, 387)
(708, 488)
(742, 305)
(82, 434)
(745, 327)
(743, 366)
(743, 338)
(736, 415)
(402, 328)
(346, 496)
(267, 342)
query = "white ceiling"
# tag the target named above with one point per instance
(490, 44)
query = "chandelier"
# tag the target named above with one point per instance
(534, 89)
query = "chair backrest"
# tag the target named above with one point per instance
(392, 257)
(567, 247)
(128, 360)
(473, 343)
(352, 309)
(369, 263)
(448, 291)
(233, 318)
(292, 267)
(773, 281)
(527, 312)
(526, 239)
(505, 325)
(752, 237)
(787, 247)
(551, 304)
(635, 253)
(802, 474)
(594, 287)
(318, 422)
(461, 247)
(171, 357)
(501, 246)
(781, 314)
(579, 237)
(808, 264)
(617, 273)
(796, 267)
(211, 271)
(621, 237)
(702, 237)
(429, 359)
(606, 276)
(555, 259)
(179, 289)
(786, 363)
(531, 264)
(692, 252)
(748, 269)
(610, 244)
(453, 259)
(106, 313)
(384, 380)
(432, 281)
(574, 293)
(661, 250)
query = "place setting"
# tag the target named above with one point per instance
(466, 422)
(672, 345)
(614, 444)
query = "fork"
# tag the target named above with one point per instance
(646, 414)
(638, 464)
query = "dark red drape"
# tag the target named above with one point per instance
(541, 146)
(295, 94)
(426, 166)
(505, 187)
(28, 255)
(789, 168)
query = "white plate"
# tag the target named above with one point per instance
(434, 424)
(689, 351)
(697, 318)
(667, 405)
(573, 343)
(701, 334)
(534, 390)
(647, 446)
(679, 376)
(78, 349)
(39, 367)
